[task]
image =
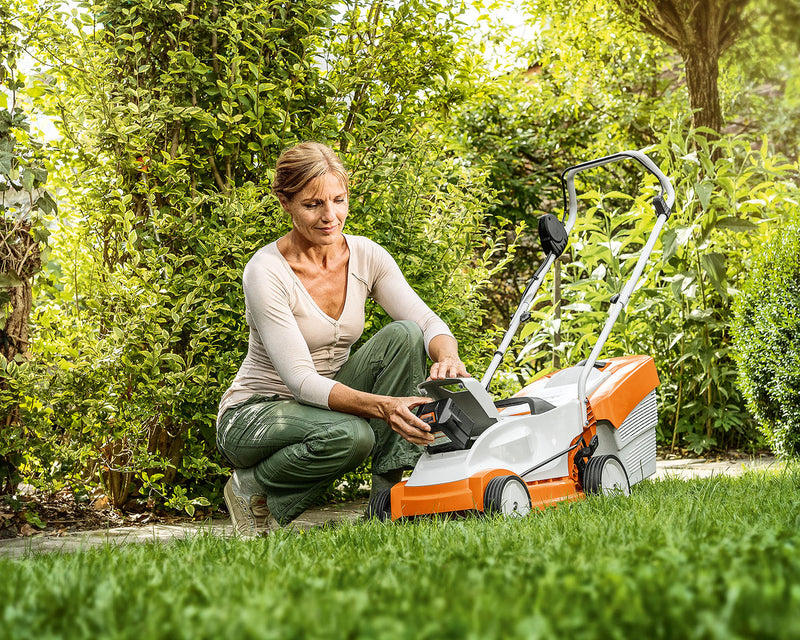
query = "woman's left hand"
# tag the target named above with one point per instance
(448, 367)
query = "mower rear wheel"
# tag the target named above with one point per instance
(606, 475)
(507, 495)
(380, 505)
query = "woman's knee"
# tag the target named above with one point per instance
(406, 332)
(351, 440)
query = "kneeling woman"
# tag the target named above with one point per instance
(302, 410)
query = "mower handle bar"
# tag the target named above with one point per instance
(667, 195)
(663, 204)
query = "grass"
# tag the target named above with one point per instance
(714, 558)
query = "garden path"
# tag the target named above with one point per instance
(685, 468)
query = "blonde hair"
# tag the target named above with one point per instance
(302, 163)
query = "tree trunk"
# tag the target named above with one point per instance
(22, 257)
(14, 336)
(700, 30)
(702, 73)
(13, 340)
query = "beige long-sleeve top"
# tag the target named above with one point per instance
(295, 349)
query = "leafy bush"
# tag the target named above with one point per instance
(25, 209)
(173, 116)
(766, 332)
(571, 101)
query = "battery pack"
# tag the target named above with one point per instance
(452, 429)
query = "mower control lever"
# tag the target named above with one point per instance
(536, 405)
(597, 365)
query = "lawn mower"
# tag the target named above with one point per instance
(588, 428)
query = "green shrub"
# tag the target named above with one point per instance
(139, 318)
(766, 332)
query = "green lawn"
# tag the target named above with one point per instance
(717, 558)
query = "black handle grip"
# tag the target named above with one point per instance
(537, 405)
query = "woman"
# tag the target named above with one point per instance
(303, 411)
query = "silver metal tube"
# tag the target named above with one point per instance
(524, 306)
(616, 310)
(569, 174)
(571, 211)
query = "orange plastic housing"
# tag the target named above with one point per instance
(467, 494)
(633, 378)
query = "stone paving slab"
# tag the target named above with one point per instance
(81, 540)
(689, 468)
(20, 547)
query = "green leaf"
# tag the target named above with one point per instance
(6, 160)
(34, 519)
(736, 224)
(27, 179)
(46, 203)
(10, 280)
(669, 244)
(703, 191)
(715, 265)
(683, 235)
(39, 174)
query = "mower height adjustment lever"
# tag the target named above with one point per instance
(582, 455)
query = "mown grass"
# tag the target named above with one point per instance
(715, 558)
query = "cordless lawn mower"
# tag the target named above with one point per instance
(588, 428)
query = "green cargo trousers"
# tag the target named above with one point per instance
(298, 450)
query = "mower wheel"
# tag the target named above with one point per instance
(507, 495)
(607, 475)
(380, 505)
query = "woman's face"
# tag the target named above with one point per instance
(319, 210)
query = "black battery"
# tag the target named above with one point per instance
(452, 429)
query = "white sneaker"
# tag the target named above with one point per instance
(249, 514)
(264, 519)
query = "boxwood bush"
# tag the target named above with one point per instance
(767, 340)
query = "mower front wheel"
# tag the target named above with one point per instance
(607, 475)
(507, 495)
(380, 505)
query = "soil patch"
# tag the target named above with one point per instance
(55, 514)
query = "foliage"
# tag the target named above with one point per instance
(682, 311)
(764, 98)
(766, 332)
(24, 207)
(602, 88)
(717, 557)
(588, 86)
(173, 115)
(700, 31)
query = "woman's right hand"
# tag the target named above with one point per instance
(398, 415)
